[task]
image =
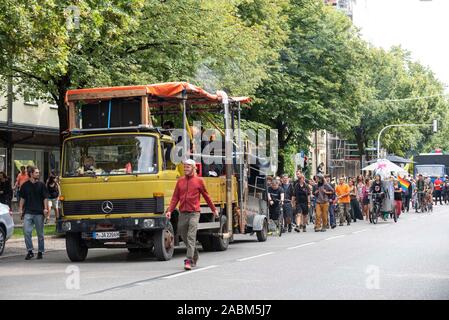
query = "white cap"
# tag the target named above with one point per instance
(190, 162)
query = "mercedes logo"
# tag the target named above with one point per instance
(107, 206)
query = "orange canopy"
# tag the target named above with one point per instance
(159, 94)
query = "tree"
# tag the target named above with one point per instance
(392, 77)
(136, 42)
(315, 83)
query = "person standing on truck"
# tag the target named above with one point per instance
(33, 208)
(187, 192)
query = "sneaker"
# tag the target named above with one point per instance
(39, 256)
(304, 229)
(323, 230)
(30, 255)
(289, 228)
(334, 226)
(187, 264)
(317, 230)
(349, 223)
(194, 261)
(341, 224)
(297, 229)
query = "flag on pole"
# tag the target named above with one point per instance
(403, 183)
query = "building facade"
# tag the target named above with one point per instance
(29, 135)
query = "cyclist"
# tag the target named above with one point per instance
(276, 199)
(377, 190)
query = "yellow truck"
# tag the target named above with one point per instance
(118, 173)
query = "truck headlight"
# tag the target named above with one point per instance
(149, 223)
(66, 226)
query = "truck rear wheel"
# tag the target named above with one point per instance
(75, 247)
(263, 234)
(218, 243)
(164, 243)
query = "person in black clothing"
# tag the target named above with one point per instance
(275, 199)
(33, 207)
(301, 203)
(288, 210)
(53, 194)
(6, 192)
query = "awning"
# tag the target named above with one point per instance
(160, 94)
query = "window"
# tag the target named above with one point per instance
(110, 155)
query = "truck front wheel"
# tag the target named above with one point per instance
(75, 247)
(164, 243)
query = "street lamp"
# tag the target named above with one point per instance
(434, 128)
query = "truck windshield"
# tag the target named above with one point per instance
(429, 170)
(110, 155)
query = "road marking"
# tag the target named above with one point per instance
(188, 272)
(302, 245)
(253, 257)
(336, 237)
(360, 231)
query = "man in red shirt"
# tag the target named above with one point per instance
(187, 193)
(438, 184)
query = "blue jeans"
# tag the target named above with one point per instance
(29, 222)
(332, 214)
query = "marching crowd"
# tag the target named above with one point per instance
(325, 202)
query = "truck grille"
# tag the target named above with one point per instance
(119, 206)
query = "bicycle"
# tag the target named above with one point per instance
(375, 211)
(275, 226)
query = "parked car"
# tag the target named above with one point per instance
(6, 226)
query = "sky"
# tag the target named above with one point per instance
(418, 26)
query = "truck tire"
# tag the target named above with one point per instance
(164, 243)
(75, 247)
(263, 234)
(206, 243)
(218, 243)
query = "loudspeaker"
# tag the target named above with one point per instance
(95, 115)
(125, 113)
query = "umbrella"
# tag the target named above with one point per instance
(384, 167)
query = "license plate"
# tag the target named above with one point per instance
(106, 235)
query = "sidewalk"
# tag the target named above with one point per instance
(16, 247)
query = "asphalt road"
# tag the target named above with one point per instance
(404, 260)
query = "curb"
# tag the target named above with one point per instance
(17, 240)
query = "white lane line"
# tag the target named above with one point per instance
(360, 231)
(301, 245)
(253, 257)
(189, 272)
(336, 237)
